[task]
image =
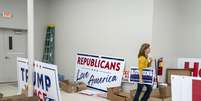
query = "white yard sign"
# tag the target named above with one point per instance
(148, 75)
(99, 72)
(45, 80)
(185, 88)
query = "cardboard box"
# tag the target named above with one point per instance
(114, 97)
(132, 93)
(159, 99)
(114, 90)
(165, 91)
(81, 86)
(24, 91)
(155, 93)
(19, 98)
(68, 86)
(64, 81)
(116, 94)
(125, 95)
(169, 72)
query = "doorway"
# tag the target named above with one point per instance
(13, 44)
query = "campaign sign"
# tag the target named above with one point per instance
(185, 88)
(45, 80)
(148, 75)
(126, 75)
(187, 63)
(99, 72)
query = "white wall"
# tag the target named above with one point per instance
(105, 27)
(41, 11)
(164, 31)
(189, 30)
(176, 30)
(19, 10)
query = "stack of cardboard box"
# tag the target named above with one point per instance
(163, 93)
(71, 87)
(117, 94)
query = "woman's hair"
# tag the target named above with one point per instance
(142, 50)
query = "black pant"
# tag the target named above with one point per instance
(139, 90)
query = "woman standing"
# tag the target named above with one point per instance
(143, 62)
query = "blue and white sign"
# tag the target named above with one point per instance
(148, 75)
(99, 72)
(45, 80)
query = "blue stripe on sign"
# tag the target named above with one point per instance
(142, 75)
(145, 81)
(97, 88)
(112, 58)
(138, 80)
(143, 69)
(147, 70)
(88, 55)
(144, 78)
(148, 77)
(49, 68)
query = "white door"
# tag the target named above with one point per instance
(14, 45)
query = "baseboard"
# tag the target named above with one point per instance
(8, 82)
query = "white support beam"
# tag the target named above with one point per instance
(30, 12)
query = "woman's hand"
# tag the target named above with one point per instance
(150, 62)
(150, 59)
(141, 81)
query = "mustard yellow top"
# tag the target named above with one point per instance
(51, 25)
(142, 63)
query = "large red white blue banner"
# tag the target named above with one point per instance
(148, 75)
(99, 72)
(185, 88)
(45, 80)
(193, 63)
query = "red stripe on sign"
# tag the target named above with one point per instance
(186, 65)
(196, 88)
(195, 69)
